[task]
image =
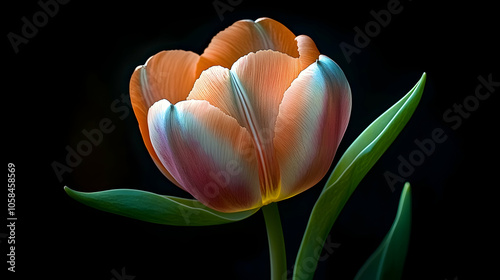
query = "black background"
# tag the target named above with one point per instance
(66, 78)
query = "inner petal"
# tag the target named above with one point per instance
(251, 92)
(264, 77)
(268, 166)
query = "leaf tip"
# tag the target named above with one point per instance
(68, 190)
(423, 78)
(71, 193)
(407, 187)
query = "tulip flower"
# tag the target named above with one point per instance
(255, 119)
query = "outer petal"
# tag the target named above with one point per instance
(308, 52)
(280, 37)
(311, 122)
(168, 74)
(205, 150)
(247, 36)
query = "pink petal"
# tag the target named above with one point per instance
(207, 152)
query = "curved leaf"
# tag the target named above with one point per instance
(388, 260)
(351, 168)
(155, 208)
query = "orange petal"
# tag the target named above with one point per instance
(206, 151)
(264, 77)
(168, 74)
(311, 122)
(247, 36)
(283, 40)
(308, 52)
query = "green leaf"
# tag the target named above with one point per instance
(155, 208)
(351, 168)
(388, 260)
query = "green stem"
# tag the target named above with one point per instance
(276, 241)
